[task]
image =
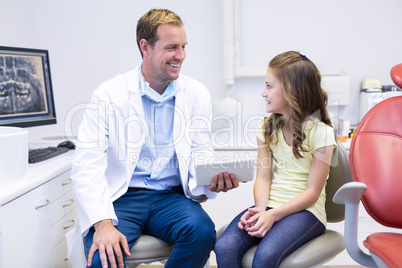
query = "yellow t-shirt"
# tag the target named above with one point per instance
(289, 173)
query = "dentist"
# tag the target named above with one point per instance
(140, 137)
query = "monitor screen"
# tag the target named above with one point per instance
(26, 95)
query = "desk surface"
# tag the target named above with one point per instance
(38, 174)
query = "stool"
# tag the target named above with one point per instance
(148, 249)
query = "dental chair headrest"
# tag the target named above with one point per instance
(396, 75)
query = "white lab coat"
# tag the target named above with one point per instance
(111, 136)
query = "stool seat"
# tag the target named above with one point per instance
(148, 249)
(318, 250)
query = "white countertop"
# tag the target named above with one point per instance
(38, 174)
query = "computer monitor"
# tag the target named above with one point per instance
(26, 94)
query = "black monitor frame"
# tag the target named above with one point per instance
(26, 92)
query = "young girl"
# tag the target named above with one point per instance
(298, 139)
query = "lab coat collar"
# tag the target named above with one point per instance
(134, 94)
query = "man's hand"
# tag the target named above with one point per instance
(223, 182)
(109, 241)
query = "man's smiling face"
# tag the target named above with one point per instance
(166, 56)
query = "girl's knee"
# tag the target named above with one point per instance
(226, 244)
(219, 246)
(270, 258)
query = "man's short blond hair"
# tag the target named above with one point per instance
(148, 24)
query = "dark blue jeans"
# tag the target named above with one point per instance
(169, 215)
(285, 237)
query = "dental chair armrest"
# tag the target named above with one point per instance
(350, 194)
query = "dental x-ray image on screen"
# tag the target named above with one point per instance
(26, 96)
(21, 85)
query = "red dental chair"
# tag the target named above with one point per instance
(396, 75)
(375, 158)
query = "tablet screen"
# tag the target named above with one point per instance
(244, 169)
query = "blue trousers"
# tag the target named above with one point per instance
(285, 237)
(168, 215)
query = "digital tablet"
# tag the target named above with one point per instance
(242, 168)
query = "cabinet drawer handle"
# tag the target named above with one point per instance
(44, 205)
(66, 182)
(69, 224)
(68, 203)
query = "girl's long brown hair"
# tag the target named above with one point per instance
(301, 83)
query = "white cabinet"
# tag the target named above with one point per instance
(33, 225)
